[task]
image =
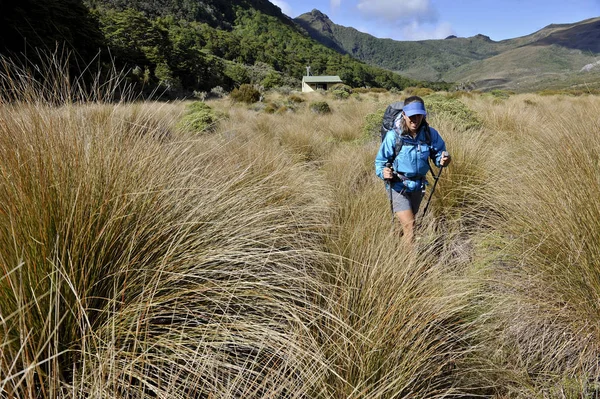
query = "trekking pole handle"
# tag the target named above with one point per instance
(388, 165)
(445, 154)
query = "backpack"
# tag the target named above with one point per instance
(389, 116)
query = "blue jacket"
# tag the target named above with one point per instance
(412, 159)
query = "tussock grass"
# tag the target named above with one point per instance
(545, 288)
(406, 310)
(139, 260)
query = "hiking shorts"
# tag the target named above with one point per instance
(407, 200)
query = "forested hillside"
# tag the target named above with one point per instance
(431, 58)
(186, 46)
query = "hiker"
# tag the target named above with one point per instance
(407, 148)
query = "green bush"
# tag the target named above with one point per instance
(200, 118)
(454, 109)
(320, 107)
(340, 94)
(341, 91)
(246, 93)
(272, 80)
(372, 123)
(197, 106)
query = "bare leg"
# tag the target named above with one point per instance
(407, 221)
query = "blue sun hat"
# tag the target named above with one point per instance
(414, 108)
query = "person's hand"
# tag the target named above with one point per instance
(388, 174)
(445, 159)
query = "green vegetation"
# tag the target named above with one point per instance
(175, 48)
(245, 93)
(341, 92)
(429, 59)
(371, 127)
(553, 56)
(320, 107)
(200, 118)
(450, 108)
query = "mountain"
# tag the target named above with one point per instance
(559, 55)
(217, 13)
(184, 47)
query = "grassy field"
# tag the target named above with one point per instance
(142, 258)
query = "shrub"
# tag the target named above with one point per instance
(341, 91)
(198, 106)
(200, 95)
(340, 94)
(200, 118)
(342, 87)
(272, 80)
(454, 109)
(320, 107)
(218, 92)
(373, 123)
(296, 99)
(245, 93)
(271, 108)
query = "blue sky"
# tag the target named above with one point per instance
(437, 19)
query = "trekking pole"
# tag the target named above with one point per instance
(389, 182)
(436, 178)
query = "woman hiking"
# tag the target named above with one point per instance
(402, 161)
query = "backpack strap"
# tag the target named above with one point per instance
(399, 142)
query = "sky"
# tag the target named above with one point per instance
(438, 19)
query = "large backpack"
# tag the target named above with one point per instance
(389, 116)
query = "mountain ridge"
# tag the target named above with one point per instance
(461, 59)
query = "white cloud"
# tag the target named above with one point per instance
(405, 19)
(417, 31)
(335, 4)
(398, 11)
(285, 7)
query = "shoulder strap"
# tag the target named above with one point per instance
(427, 135)
(399, 142)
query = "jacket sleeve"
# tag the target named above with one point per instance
(437, 147)
(385, 153)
